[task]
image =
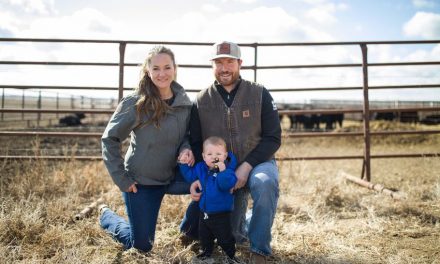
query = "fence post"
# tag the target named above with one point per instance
(3, 101)
(58, 104)
(122, 46)
(92, 105)
(22, 104)
(255, 61)
(39, 107)
(366, 113)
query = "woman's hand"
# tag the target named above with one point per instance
(195, 196)
(132, 188)
(186, 156)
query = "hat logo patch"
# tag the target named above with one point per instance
(246, 114)
(224, 48)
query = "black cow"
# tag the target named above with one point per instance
(404, 117)
(308, 122)
(332, 120)
(409, 117)
(387, 116)
(294, 121)
(72, 120)
(431, 120)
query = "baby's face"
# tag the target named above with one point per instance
(211, 153)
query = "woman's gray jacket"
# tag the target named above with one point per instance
(152, 154)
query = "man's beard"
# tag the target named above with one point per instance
(230, 80)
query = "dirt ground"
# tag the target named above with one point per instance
(321, 217)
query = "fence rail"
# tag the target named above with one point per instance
(365, 110)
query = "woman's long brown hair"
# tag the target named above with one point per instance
(150, 101)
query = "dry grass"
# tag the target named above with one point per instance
(321, 218)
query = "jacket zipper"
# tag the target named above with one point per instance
(230, 130)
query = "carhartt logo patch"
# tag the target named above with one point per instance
(246, 113)
(224, 48)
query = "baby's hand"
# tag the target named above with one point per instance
(183, 159)
(221, 166)
(186, 157)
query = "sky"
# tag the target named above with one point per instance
(241, 21)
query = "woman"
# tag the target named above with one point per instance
(156, 117)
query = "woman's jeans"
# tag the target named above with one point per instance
(142, 210)
(256, 226)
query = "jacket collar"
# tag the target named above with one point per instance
(182, 98)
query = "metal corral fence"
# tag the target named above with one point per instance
(365, 111)
(29, 99)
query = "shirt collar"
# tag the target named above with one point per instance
(220, 87)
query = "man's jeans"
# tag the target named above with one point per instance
(262, 184)
(142, 210)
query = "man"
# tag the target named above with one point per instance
(244, 114)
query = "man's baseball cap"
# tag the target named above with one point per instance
(225, 49)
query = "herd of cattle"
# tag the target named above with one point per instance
(311, 122)
(408, 117)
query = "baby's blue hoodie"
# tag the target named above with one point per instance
(216, 186)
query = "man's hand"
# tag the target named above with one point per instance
(132, 188)
(242, 173)
(195, 196)
(186, 156)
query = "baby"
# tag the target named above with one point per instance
(217, 177)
